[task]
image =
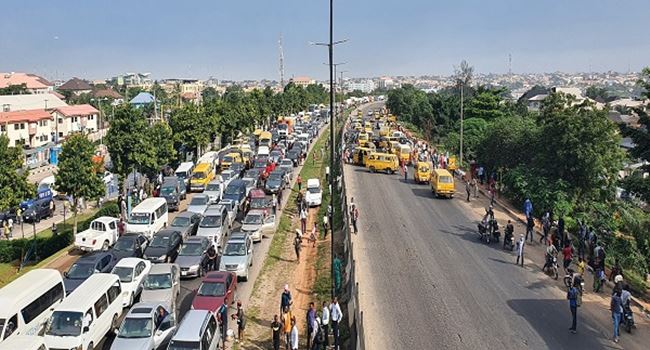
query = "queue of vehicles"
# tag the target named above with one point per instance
(139, 273)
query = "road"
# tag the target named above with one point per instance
(427, 282)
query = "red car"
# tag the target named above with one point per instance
(216, 287)
(257, 200)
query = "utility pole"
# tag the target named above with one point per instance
(462, 88)
(281, 63)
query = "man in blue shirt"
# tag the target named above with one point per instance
(572, 295)
(528, 208)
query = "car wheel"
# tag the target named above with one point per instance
(115, 324)
(245, 279)
(105, 246)
(131, 299)
(90, 346)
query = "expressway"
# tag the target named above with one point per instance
(427, 282)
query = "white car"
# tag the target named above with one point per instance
(214, 190)
(101, 234)
(132, 272)
(314, 194)
(232, 209)
(199, 204)
(256, 224)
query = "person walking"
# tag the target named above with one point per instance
(276, 329)
(303, 220)
(546, 226)
(285, 299)
(222, 317)
(572, 296)
(312, 236)
(528, 207)
(240, 317)
(299, 182)
(325, 322)
(287, 326)
(274, 202)
(297, 242)
(474, 185)
(567, 252)
(294, 334)
(327, 174)
(335, 316)
(325, 225)
(530, 227)
(212, 258)
(406, 172)
(520, 250)
(616, 306)
(355, 218)
(311, 318)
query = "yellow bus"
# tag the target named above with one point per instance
(203, 174)
(442, 183)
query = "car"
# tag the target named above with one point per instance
(236, 191)
(217, 288)
(38, 210)
(214, 225)
(199, 204)
(253, 174)
(85, 266)
(250, 184)
(275, 182)
(257, 199)
(294, 155)
(186, 223)
(237, 255)
(162, 284)
(238, 169)
(100, 235)
(214, 191)
(141, 328)
(164, 246)
(227, 176)
(130, 245)
(192, 257)
(286, 165)
(314, 194)
(257, 223)
(198, 330)
(276, 156)
(173, 189)
(232, 209)
(132, 272)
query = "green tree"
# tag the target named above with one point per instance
(474, 132)
(127, 141)
(209, 95)
(486, 104)
(15, 90)
(14, 186)
(76, 175)
(193, 128)
(161, 138)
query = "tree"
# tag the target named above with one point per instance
(486, 104)
(193, 128)
(76, 176)
(15, 90)
(209, 94)
(161, 138)
(14, 186)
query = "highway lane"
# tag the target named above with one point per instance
(427, 282)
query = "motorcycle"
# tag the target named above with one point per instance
(628, 317)
(551, 266)
(487, 230)
(509, 241)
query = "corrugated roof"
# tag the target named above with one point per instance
(31, 116)
(142, 98)
(77, 110)
(110, 93)
(30, 101)
(32, 81)
(75, 84)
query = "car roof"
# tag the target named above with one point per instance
(105, 219)
(186, 214)
(160, 268)
(146, 309)
(216, 276)
(195, 239)
(190, 326)
(166, 232)
(214, 210)
(92, 257)
(237, 237)
(200, 195)
(129, 262)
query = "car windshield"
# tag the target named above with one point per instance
(180, 221)
(212, 289)
(159, 241)
(64, 323)
(165, 191)
(81, 271)
(252, 219)
(446, 179)
(198, 175)
(159, 281)
(213, 187)
(123, 245)
(225, 176)
(258, 203)
(252, 174)
(313, 190)
(125, 273)
(135, 328)
(184, 345)
(235, 249)
(199, 200)
(139, 218)
(232, 190)
(191, 249)
(228, 159)
(211, 221)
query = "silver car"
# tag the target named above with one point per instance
(144, 329)
(199, 204)
(162, 284)
(214, 225)
(238, 255)
(232, 209)
(193, 256)
(257, 224)
(214, 190)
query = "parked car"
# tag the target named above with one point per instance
(294, 155)
(214, 191)
(186, 223)
(197, 330)
(236, 191)
(39, 210)
(162, 284)
(257, 199)
(174, 191)
(314, 194)
(164, 246)
(199, 204)
(227, 176)
(216, 288)
(253, 174)
(85, 267)
(250, 184)
(275, 182)
(130, 245)
(287, 166)
(101, 234)
(231, 208)
(193, 256)
(132, 272)
(237, 255)
(257, 223)
(141, 329)
(238, 169)
(214, 225)
(276, 155)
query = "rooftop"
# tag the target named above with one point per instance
(31, 116)
(30, 101)
(75, 84)
(77, 110)
(32, 81)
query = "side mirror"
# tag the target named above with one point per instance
(229, 292)
(115, 331)
(250, 251)
(65, 274)
(86, 329)
(159, 333)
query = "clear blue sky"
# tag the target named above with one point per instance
(237, 39)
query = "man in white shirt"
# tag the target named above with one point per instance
(294, 334)
(335, 316)
(325, 322)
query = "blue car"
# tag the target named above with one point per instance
(236, 191)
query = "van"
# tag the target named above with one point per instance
(184, 172)
(174, 191)
(202, 175)
(27, 302)
(422, 172)
(360, 155)
(236, 191)
(83, 319)
(198, 330)
(148, 217)
(382, 162)
(230, 158)
(48, 184)
(211, 158)
(24, 342)
(263, 151)
(266, 139)
(442, 183)
(404, 154)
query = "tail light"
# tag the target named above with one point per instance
(94, 241)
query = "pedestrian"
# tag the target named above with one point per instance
(280, 198)
(546, 226)
(287, 326)
(222, 318)
(312, 236)
(121, 227)
(299, 182)
(297, 242)
(311, 318)
(599, 279)
(468, 189)
(276, 329)
(274, 201)
(285, 299)
(567, 252)
(572, 296)
(54, 229)
(5, 226)
(325, 225)
(335, 316)
(560, 230)
(530, 227)
(325, 322)
(240, 317)
(327, 173)
(528, 207)
(520, 250)
(406, 173)
(10, 224)
(616, 306)
(355, 218)
(212, 258)
(294, 334)
(303, 221)
(474, 185)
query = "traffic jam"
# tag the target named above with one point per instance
(129, 287)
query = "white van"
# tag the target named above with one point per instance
(83, 319)
(184, 172)
(47, 183)
(263, 151)
(210, 157)
(148, 217)
(24, 342)
(314, 194)
(27, 302)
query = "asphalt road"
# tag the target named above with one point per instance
(428, 282)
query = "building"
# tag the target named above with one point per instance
(12, 103)
(29, 130)
(34, 83)
(366, 86)
(142, 99)
(302, 81)
(76, 118)
(76, 87)
(142, 80)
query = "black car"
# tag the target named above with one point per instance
(254, 174)
(164, 247)
(8, 214)
(236, 191)
(238, 168)
(130, 245)
(275, 182)
(294, 155)
(84, 267)
(39, 210)
(186, 223)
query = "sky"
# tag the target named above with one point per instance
(238, 39)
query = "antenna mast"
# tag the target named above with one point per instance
(281, 63)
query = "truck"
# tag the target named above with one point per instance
(102, 234)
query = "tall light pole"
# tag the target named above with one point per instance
(462, 88)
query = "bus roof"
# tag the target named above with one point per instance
(202, 167)
(27, 287)
(83, 297)
(150, 204)
(442, 172)
(185, 166)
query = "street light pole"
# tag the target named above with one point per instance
(460, 161)
(331, 178)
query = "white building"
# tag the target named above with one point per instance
(366, 86)
(77, 118)
(12, 103)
